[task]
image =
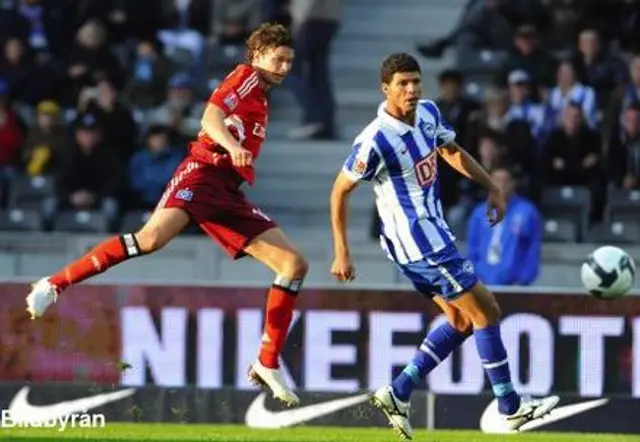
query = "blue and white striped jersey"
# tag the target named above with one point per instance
(401, 162)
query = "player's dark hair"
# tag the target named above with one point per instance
(267, 36)
(398, 62)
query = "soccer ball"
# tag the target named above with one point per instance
(608, 273)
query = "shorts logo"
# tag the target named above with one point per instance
(231, 101)
(467, 267)
(184, 194)
(260, 213)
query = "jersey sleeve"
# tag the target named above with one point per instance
(363, 163)
(229, 95)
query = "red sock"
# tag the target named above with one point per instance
(103, 256)
(280, 304)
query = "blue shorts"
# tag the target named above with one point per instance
(445, 273)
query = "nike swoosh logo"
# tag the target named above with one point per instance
(490, 415)
(21, 410)
(259, 417)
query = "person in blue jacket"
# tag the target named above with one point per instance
(508, 253)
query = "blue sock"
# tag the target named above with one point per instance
(494, 358)
(433, 350)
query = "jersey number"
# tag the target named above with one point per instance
(426, 169)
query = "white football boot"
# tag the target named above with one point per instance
(41, 296)
(396, 411)
(530, 410)
(271, 378)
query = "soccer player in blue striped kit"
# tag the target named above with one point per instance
(398, 152)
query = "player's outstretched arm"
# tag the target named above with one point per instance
(463, 162)
(213, 123)
(342, 267)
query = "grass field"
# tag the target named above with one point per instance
(200, 433)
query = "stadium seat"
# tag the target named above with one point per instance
(615, 233)
(28, 192)
(15, 220)
(623, 205)
(573, 202)
(560, 230)
(81, 222)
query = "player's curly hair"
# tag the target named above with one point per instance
(267, 36)
(397, 62)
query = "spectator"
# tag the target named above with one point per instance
(624, 155)
(482, 26)
(148, 75)
(508, 253)
(455, 110)
(47, 142)
(35, 22)
(89, 60)
(29, 80)
(151, 168)
(232, 20)
(600, 70)
(569, 90)
(91, 178)
(522, 107)
(119, 128)
(492, 117)
(527, 55)
(11, 133)
(314, 26)
(625, 97)
(574, 156)
(180, 111)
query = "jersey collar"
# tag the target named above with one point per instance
(395, 124)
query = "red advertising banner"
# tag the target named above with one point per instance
(340, 340)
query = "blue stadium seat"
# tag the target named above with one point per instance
(615, 233)
(567, 202)
(81, 222)
(29, 192)
(559, 230)
(19, 220)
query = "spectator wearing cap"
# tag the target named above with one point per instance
(508, 253)
(12, 132)
(47, 142)
(151, 168)
(181, 112)
(624, 153)
(569, 90)
(598, 68)
(522, 107)
(527, 55)
(91, 177)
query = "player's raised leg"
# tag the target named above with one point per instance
(273, 249)
(393, 400)
(481, 307)
(163, 225)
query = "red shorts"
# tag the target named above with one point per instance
(212, 198)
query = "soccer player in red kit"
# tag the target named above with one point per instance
(205, 188)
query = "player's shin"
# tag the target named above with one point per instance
(435, 348)
(102, 257)
(281, 301)
(494, 358)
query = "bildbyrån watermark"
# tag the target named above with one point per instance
(73, 420)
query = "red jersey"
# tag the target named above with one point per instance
(244, 103)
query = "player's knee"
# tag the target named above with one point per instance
(294, 265)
